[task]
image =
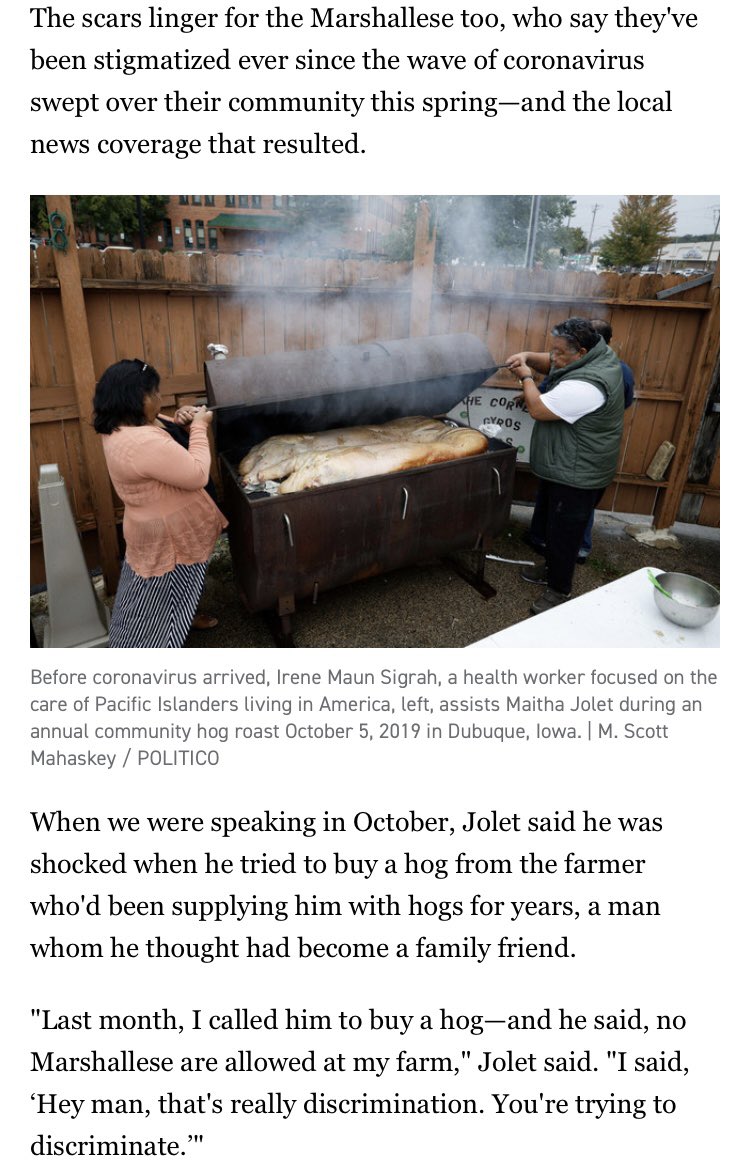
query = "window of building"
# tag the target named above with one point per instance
(183, 199)
(229, 200)
(200, 235)
(257, 201)
(244, 201)
(196, 199)
(209, 199)
(278, 202)
(213, 238)
(167, 229)
(187, 229)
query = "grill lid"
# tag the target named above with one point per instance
(347, 384)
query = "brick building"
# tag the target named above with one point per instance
(226, 223)
(260, 223)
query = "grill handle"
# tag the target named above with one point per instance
(288, 526)
(496, 474)
(405, 503)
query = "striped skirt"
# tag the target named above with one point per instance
(155, 611)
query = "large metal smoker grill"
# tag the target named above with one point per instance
(288, 547)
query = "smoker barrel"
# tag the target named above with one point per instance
(287, 547)
(434, 369)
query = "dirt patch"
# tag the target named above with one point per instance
(430, 606)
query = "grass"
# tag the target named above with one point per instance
(604, 568)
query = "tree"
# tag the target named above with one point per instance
(571, 240)
(642, 225)
(112, 215)
(118, 214)
(38, 213)
(494, 229)
(399, 244)
(317, 223)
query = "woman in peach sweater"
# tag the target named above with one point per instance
(170, 523)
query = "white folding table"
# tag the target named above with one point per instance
(622, 614)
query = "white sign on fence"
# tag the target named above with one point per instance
(503, 406)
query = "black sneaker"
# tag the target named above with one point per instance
(548, 599)
(535, 573)
(582, 559)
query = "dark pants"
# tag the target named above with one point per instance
(537, 533)
(560, 519)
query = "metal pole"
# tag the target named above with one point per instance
(423, 272)
(531, 235)
(713, 239)
(593, 219)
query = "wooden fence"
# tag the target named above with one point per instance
(166, 308)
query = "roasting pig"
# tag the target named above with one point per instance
(284, 456)
(336, 465)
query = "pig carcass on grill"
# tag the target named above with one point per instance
(295, 544)
(303, 461)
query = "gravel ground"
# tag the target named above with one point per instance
(429, 606)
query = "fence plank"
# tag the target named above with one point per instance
(253, 327)
(42, 372)
(181, 322)
(99, 314)
(156, 335)
(273, 311)
(62, 369)
(691, 413)
(230, 325)
(206, 317)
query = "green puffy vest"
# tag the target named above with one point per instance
(585, 453)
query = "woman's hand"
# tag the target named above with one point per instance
(521, 369)
(534, 360)
(183, 416)
(513, 360)
(203, 415)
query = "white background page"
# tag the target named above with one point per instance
(686, 963)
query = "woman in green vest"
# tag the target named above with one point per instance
(575, 443)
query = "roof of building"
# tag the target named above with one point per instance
(249, 221)
(684, 251)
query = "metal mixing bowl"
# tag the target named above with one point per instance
(692, 604)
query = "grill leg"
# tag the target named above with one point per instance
(282, 629)
(474, 576)
(285, 638)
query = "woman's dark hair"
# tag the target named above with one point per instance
(120, 394)
(577, 332)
